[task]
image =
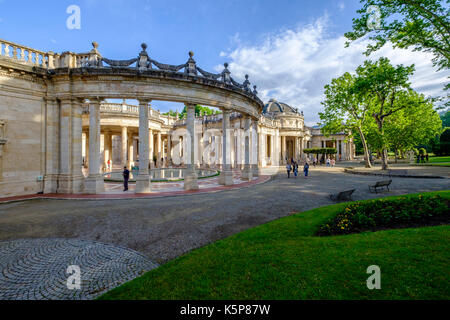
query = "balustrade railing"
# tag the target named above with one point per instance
(93, 59)
(22, 54)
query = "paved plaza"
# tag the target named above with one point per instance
(164, 228)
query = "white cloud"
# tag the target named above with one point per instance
(341, 6)
(294, 65)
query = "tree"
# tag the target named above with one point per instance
(387, 88)
(423, 25)
(345, 109)
(201, 110)
(412, 126)
(445, 116)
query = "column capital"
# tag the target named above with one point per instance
(144, 101)
(189, 105)
(96, 100)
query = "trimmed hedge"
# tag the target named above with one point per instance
(320, 151)
(381, 214)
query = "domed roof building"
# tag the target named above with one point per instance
(273, 106)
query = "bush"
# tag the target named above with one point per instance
(422, 151)
(387, 214)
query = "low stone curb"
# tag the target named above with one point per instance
(137, 196)
(392, 175)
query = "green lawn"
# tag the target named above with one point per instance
(283, 260)
(439, 159)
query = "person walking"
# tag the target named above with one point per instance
(306, 169)
(295, 169)
(328, 162)
(333, 162)
(288, 169)
(426, 156)
(126, 177)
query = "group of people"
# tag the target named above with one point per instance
(292, 166)
(422, 157)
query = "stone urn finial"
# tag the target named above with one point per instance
(191, 54)
(246, 77)
(95, 45)
(144, 46)
(225, 65)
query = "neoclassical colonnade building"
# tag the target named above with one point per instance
(55, 120)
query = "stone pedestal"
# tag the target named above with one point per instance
(143, 183)
(190, 180)
(94, 184)
(226, 178)
(247, 173)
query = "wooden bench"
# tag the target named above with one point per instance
(380, 184)
(342, 196)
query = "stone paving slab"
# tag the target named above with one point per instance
(36, 269)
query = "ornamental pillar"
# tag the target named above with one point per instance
(94, 182)
(247, 172)
(190, 176)
(226, 176)
(143, 179)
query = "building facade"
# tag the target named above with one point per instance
(58, 133)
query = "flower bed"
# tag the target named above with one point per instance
(382, 214)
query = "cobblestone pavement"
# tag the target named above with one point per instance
(165, 228)
(36, 269)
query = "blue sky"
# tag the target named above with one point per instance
(290, 48)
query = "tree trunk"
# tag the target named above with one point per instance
(396, 155)
(366, 149)
(384, 160)
(384, 155)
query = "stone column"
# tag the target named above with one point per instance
(158, 148)
(108, 149)
(131, 158)
(77, 147)
(86, 150)
(190, 176)
(247, 172)
(143, 179)
(135, 150)
(256, 156)
(272, 148)
(70, 178)
(283, 149)
(226, 176)
(51, 146)
(124, 147)
(151, 147)
(169, 149)
(94, 182)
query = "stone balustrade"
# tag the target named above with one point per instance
(93, 59)
(24, 55)
(120, 108)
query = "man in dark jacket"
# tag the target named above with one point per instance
(126, 177)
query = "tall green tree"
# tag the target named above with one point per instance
(412, 126)
(423, 25)
(388, 88)
(345, 109)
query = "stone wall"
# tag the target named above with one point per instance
(22, 110)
